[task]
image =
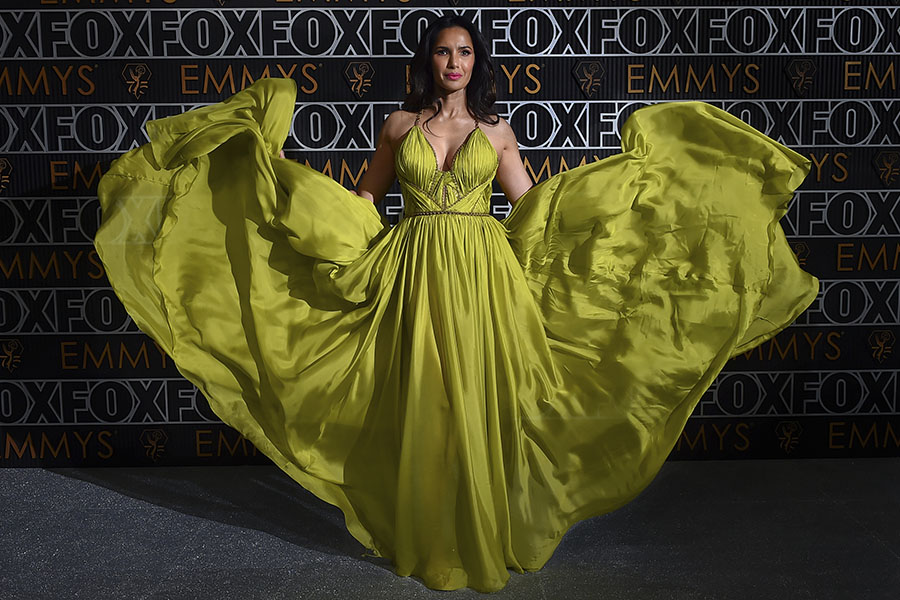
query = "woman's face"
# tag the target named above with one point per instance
(452, 59)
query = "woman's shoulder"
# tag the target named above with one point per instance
(502, 127)
(500, 133)
(398, 123)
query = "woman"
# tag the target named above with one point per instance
(464, 389)
(452, 82)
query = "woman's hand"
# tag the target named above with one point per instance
(281, 154)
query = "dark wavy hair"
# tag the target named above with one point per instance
(481, 92)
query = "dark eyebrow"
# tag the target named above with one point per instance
(448, 47)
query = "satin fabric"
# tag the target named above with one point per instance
(464, 388)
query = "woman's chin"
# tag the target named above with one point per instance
(448, 85)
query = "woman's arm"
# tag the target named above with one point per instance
(511, 174)
(380, 175)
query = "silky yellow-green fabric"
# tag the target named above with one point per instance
(464, 388)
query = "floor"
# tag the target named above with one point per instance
(791, 529)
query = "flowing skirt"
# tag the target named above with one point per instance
(465, 389)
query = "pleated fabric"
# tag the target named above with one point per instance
(463, 388)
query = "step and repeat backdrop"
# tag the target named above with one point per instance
(80, 385)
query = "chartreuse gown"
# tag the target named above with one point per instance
(464, 388)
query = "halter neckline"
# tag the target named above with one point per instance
(455, 154)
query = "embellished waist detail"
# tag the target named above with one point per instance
(447, 212)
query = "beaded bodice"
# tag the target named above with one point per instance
(464, 188)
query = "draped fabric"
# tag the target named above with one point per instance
(464, 388)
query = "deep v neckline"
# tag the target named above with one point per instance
(455, 154)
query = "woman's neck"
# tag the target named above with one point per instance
(453, 104)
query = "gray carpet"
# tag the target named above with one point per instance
(789, 529)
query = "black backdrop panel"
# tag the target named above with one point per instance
(80, 385)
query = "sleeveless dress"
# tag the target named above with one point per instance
(464, 388)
